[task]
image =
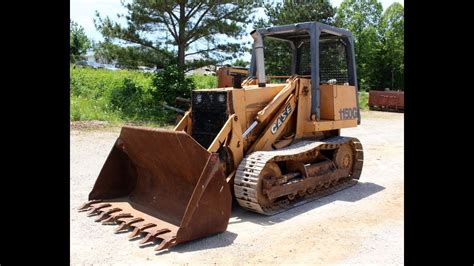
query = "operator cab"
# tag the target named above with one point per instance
(318, 51)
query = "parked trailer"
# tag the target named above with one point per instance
(387, 100)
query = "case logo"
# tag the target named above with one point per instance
(281, 119)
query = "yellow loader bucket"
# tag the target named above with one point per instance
(163, 185)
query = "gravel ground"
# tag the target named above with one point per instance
(360, 225)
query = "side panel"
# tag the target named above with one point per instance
(338, 102)
(338, 99)
(328, 98)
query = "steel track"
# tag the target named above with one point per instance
(248, 173)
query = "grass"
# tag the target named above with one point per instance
(85, 109)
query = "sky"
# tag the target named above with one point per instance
(83, 12)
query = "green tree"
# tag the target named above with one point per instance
(391, 48)
(78, 41)
(193, 26)
(362, 18)
(278, 61)
(294, 11)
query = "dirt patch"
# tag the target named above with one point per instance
(89, 125)
(360, 225)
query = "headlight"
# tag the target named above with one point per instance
(198, 98)
(221, 98)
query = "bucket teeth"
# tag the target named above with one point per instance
(92, 213)
(166, 243)
(121, 227)
(109, 213)
(150, 237)
(106, 214)
(113, 218)
(95, 210)
(85, 209)
(125, 225)
(134, 233)
(86, 206)
(101, 217)
(140, 228)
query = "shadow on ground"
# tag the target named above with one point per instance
(352, 194)
(211, 242)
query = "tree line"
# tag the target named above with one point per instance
(158, 33)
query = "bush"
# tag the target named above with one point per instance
(204, 82)
(171, 83)
(133, 101)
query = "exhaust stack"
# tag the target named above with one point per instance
(258, 48)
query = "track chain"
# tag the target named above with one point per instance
(248, 173)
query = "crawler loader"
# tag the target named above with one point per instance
(270, 146)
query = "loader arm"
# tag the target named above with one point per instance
(282, 96)
(264, 115)
(273, 131)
